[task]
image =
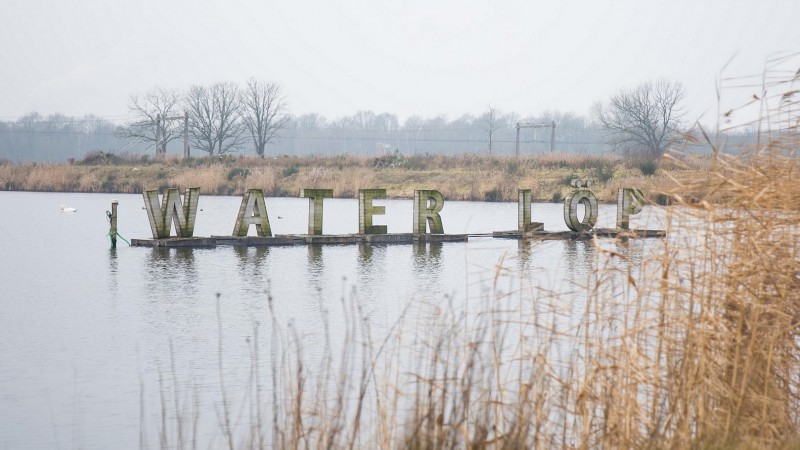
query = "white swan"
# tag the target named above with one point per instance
(65, 208)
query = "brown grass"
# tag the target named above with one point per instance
(462, 177)
(210, 179)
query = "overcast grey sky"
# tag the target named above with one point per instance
(421, 57)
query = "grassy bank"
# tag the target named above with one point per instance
(463, 177)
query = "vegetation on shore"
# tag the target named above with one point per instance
(461, 177)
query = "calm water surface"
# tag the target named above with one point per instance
(86, 332)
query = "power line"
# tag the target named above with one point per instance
(57, 132)
(317, 138)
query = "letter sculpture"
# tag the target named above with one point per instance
(253, 211)
(427, 205)
(366, 210)
(629, 202)
(172, 210)
(524, 224)
(315, 197)
(586, 197)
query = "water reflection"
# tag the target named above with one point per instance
(252, 260)
(171, 270)
(373, 268)
(427, 256)
(113, 267)
(428, 269)
(371, 263)
(633, 249)
(364, 255)
(315, 264)
(253, 266)
(581, 257)
(316, 271)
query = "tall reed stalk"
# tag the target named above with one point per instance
(693, 342)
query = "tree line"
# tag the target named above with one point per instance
(216, 119)
(226, 118)
(253, 119)
(56, 138)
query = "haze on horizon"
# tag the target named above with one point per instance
(406, 58)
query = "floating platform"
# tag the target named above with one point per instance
(393, 238)
(191, 242)
(396, 238)
(254, 241)
(578, 235)
(441, 237)
(328, 239)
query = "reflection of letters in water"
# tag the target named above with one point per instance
(427, 206)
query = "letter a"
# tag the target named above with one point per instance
(253, 211)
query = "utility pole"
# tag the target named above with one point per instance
(160, 147)
(186, 135)
(551, 125)
(159, 143)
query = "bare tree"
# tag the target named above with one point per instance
(150, 110)
(644, 120)
(491, 125)
(214, 118)
(263, 112)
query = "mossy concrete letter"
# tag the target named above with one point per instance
(589, 201)
(629, 202)
(315, 197)
(172, 210)
(427, 205)
(524, 224)
(253, 211)
(366, 210)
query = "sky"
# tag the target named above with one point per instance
(415, 57)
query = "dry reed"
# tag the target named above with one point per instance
(694, 343)
(459, 177)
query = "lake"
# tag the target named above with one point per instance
(88, 332)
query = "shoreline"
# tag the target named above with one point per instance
(459, 178)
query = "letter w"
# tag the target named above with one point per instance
(172, 210)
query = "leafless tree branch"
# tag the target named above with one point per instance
(645, 119)
(215, 123)
(147, 109)
(263, 112)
